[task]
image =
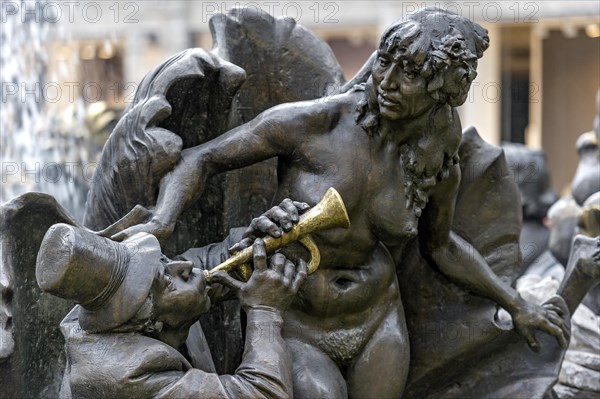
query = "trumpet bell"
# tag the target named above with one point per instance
(329, 213)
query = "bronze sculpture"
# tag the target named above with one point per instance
(395, 142)
(390, 141)
(134, 332)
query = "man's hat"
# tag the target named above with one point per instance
(110, 280)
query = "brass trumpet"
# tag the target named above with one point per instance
(330, 212)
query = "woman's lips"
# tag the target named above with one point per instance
(387, 100)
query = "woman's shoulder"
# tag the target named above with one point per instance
(331, 103)
(321, 113)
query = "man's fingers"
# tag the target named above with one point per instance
(225, 279)
(301, 273)
(243, 244)
(288, 206)
(289, 270)
(282, 216)
(250, 231)
(278, 262)
(301, 206)
(265, 225)
(259, 255)
(262, 224)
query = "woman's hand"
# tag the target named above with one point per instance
(552, 317)
(273, 222)
(160, 230)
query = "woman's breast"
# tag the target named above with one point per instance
(390, 220)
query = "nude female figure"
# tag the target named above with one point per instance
(389, 147)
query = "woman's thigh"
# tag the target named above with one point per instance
(381, 369)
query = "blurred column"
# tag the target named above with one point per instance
(482, 108)
(134, 49)
(533, 135)
(164, 32)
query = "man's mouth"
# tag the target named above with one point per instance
(200, 282)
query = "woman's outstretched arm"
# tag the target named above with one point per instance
(272, 133)
(462, 264)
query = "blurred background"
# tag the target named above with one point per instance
(68, 69)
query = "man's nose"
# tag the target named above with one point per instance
(180, 268)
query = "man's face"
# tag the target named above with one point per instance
(181, 294)
(401, 94)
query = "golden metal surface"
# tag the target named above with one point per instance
(329, 213)
(589, 220)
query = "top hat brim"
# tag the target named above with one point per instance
(144, 263)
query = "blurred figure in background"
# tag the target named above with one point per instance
(572, 242)
(530, 172)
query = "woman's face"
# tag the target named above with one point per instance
(181, 295)
(401, 94)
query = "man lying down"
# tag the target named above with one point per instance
(134, 332)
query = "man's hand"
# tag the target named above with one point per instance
(273, 222)
(273, 286)
(552, 317)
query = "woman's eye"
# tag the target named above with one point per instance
(383, 62)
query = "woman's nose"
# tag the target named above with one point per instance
(180, 268)
(389, 79)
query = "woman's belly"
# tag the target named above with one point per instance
(338, 290)
(338, 309)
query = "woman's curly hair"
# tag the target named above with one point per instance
(443, 48)
(432, 41)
